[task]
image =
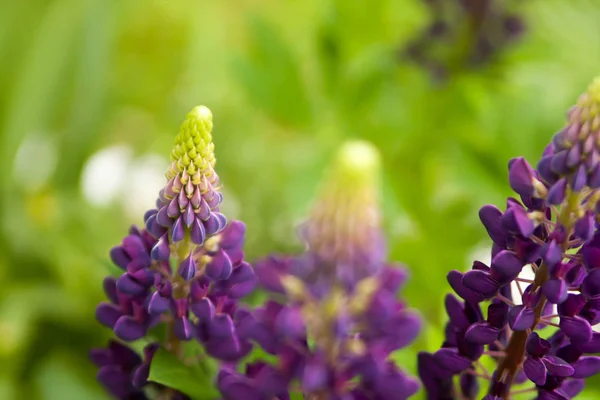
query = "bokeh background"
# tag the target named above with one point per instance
(92, 93)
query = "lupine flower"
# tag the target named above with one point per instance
(552, 230)
(334, 318)
(184, 271)
(464, 34)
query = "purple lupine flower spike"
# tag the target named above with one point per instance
(552, 231)
(340, 295)
(186, 269)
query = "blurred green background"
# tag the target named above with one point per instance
(92, 93)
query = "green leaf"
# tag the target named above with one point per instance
(193, 380)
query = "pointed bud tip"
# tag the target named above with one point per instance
(359, 157)
(193, 148)
(594, 90)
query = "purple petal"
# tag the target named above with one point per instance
(161, 250)
(187, 268)
(498, 314)
(535, 370)
(128, 329)
(576, 328)
(233, 235)
(316, 376)
(591, 284)
(520, 176)
(178, 230)
(158, 304)
(593, 346)
(163, 219)
(454, 278)
(451, 360)
(108, 314)
(586, 367)
(579, 179)
(119, 257)
(140, 376)
(521, 318)
(481, 283)
(110, 289)
(183, 328)
(198, 234)
(557, 193)
(553, 254)
(490, 216)
(188, 215)
(222, 326)
(126, 284)
(219, 267)
(506, 266)
(482, 333)
(572, 387)
(115, 381)
(584, 227)
(555, 290)
(456, 312)
(557, 366)
(204, 310)
(536, 346)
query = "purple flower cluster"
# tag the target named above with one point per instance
(334, 318)
(464, 34)
(552, 230)
(184, 272)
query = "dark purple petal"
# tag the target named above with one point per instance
(593, 346)
(108, 314)
(553, 254)
(316, 375)
(516, 219)
(452, 361)
(161, 250)
(576, 328)
(454, 278)
(158, 304)
(557, 366)
(482, 333)
(572, 305)
(119, 257)
(490, 216)
(555, 290)
(536, 346)
(572, 387)
(219, 267)
(128, 329)
(586, 367)
(183, 328)
(521, 318)
(110, 289)
(505, 267)
(456, 312)
(498, 314)
(520, 176)
(115, 381)
(197, 234)
(579, 179)
(187, 268)
(584, 227)
(535, 370)
(557, 193)
(140, 376)
(233, 235)
(204, 310)
(126, 284)
(222, 326)
(481, 283)
(591, 284)
(178, 230)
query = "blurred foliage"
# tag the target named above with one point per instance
(287, 82)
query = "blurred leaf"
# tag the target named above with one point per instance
(168, 370)
(271, 77)
(60, 377)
